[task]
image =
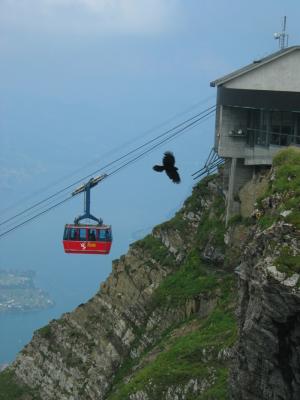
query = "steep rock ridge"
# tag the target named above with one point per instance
(267, 359)
(163, 324)
(79, 356)
(191, 359)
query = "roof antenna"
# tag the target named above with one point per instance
(282, 37)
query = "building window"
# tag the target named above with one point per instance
(82, 234)
(280, 128)
(297, 128)
(258, 127)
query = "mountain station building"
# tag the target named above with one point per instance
(258, 113)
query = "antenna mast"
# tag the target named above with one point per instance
(282, 37)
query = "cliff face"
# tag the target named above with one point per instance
(166, 299)
(164, 326)
(267, 360)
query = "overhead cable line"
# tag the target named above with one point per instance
(187, 127)
(188, 121)
(34, 217)
(191, 125)
(111, 152)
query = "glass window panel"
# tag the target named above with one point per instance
(73, 234)
(254, 119)
(82, 234)
(66, 231)
(92, 234)
(101, 234)
(297, 128)
(108, 234)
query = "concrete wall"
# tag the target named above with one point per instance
(238, 175)
(280, 74)
(229, 119)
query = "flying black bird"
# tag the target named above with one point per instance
(169, 167)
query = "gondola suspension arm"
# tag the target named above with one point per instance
(86, 188)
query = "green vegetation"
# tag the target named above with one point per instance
(287, 262)
(45, 332)
(10, 389)
(191, 349)
(294, 218)
(201, 193)
(236, 219)
(267, 220)
(219, 390)
(287, 174)
(286, 186)
(156, 248)
(290, 155)
(212, 227)
(194, 354)
(191, 279)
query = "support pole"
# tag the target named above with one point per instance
(230, 193)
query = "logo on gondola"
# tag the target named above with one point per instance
(83, 246)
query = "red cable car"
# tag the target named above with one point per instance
(87, 238)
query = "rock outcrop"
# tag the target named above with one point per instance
(267, 359)
(192, 311)
(267, 354)
(168, 279)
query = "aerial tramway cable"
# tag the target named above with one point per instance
(188, 121)
(184, 126)
(109, 153)
(106, 166)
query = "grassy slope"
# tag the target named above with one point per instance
(191, 354)
(285, 186)
(180, 357)
(180, 352)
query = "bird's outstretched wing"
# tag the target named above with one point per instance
(173, 174)
(158, 168)
(168, 160)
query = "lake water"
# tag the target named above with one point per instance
(69, 283)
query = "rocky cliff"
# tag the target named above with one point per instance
(164, 324)
(267, 358)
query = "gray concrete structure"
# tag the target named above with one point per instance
(258, 112)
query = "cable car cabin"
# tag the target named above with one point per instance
(87, 239)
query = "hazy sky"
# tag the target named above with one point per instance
(79, 79)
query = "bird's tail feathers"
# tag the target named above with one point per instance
(158, 168)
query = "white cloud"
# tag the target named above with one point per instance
(105, 16)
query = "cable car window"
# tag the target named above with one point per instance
(101, 234)
(82, 234)
(73, 234)
(92, 234)
(108, 234)
(104, 235)
(66, 232)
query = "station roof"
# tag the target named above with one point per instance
(254, 65)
